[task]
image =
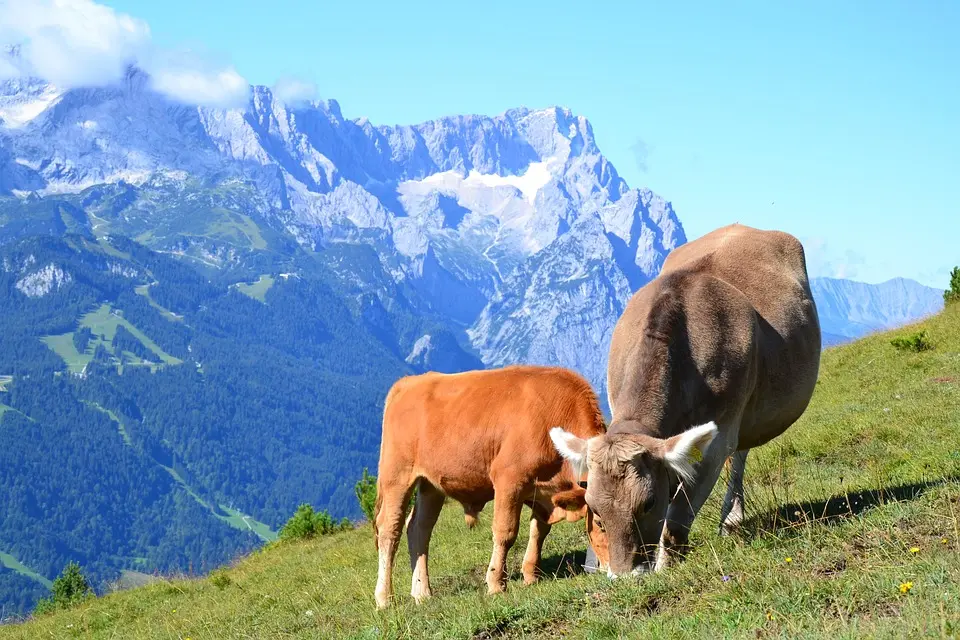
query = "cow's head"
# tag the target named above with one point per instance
(629, 477)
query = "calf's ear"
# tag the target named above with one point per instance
(678, 450)
(570, 500)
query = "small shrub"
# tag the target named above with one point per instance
(366, 491)
(220, 579)
(953, 293)
(306, 524)
(915, 342)
(69, 588)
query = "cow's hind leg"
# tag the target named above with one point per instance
(396, 497)
(507, 503)
(531, 559)
(424, 517)
(731, 514)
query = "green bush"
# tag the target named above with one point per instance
(305, 524)
(366, 491)
(916, 342)
(69, 588)
(220, 579)
(953, 293)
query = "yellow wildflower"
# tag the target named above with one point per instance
(905, 587)
(788, 560)
(943, 541)
(914, 550)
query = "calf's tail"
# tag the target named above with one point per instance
(376, 513)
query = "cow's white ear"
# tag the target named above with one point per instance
(570, 447)
(678, 449)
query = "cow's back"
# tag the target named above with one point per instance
(769, 269)
(454, 428)
(752, 278)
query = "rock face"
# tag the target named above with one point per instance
(41, 282)
(513, 231)
(439, 351)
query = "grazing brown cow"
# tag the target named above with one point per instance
(726, 337)
(479, 436)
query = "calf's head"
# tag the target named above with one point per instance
(629, 478)
(571, 505)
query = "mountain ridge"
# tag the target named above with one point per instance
(452, 207)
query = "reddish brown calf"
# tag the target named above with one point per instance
(475, 437)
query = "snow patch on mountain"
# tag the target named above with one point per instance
(19, 109)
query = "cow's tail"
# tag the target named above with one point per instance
(376, 513)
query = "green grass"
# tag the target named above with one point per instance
(862, 495)
(257, 290)
(120, 428)
(233, 517)
(103, 322)
(246, 523)
(10, 562)
(144, 290)
(236, 228)
(63, 346)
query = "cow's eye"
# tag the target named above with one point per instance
(648, 504)
(599, 524)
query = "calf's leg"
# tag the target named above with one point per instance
(424, 517)
(390, 518)
(506, 521)
(531, 559)
(731, 515)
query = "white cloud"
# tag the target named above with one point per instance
(7, 69)
(73, 42)
(293, 91)
(80, 43)
(824, 261)
(223, 88)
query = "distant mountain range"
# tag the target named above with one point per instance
(850, 309)
(203, 309)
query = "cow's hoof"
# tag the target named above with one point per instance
(419, 597)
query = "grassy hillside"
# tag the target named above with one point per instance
(853, 531)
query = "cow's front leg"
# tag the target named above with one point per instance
(674, 541)
(531, 559)
(506, 522)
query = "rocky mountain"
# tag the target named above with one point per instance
(849, 309)
(514, 231)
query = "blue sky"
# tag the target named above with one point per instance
(836, 121)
